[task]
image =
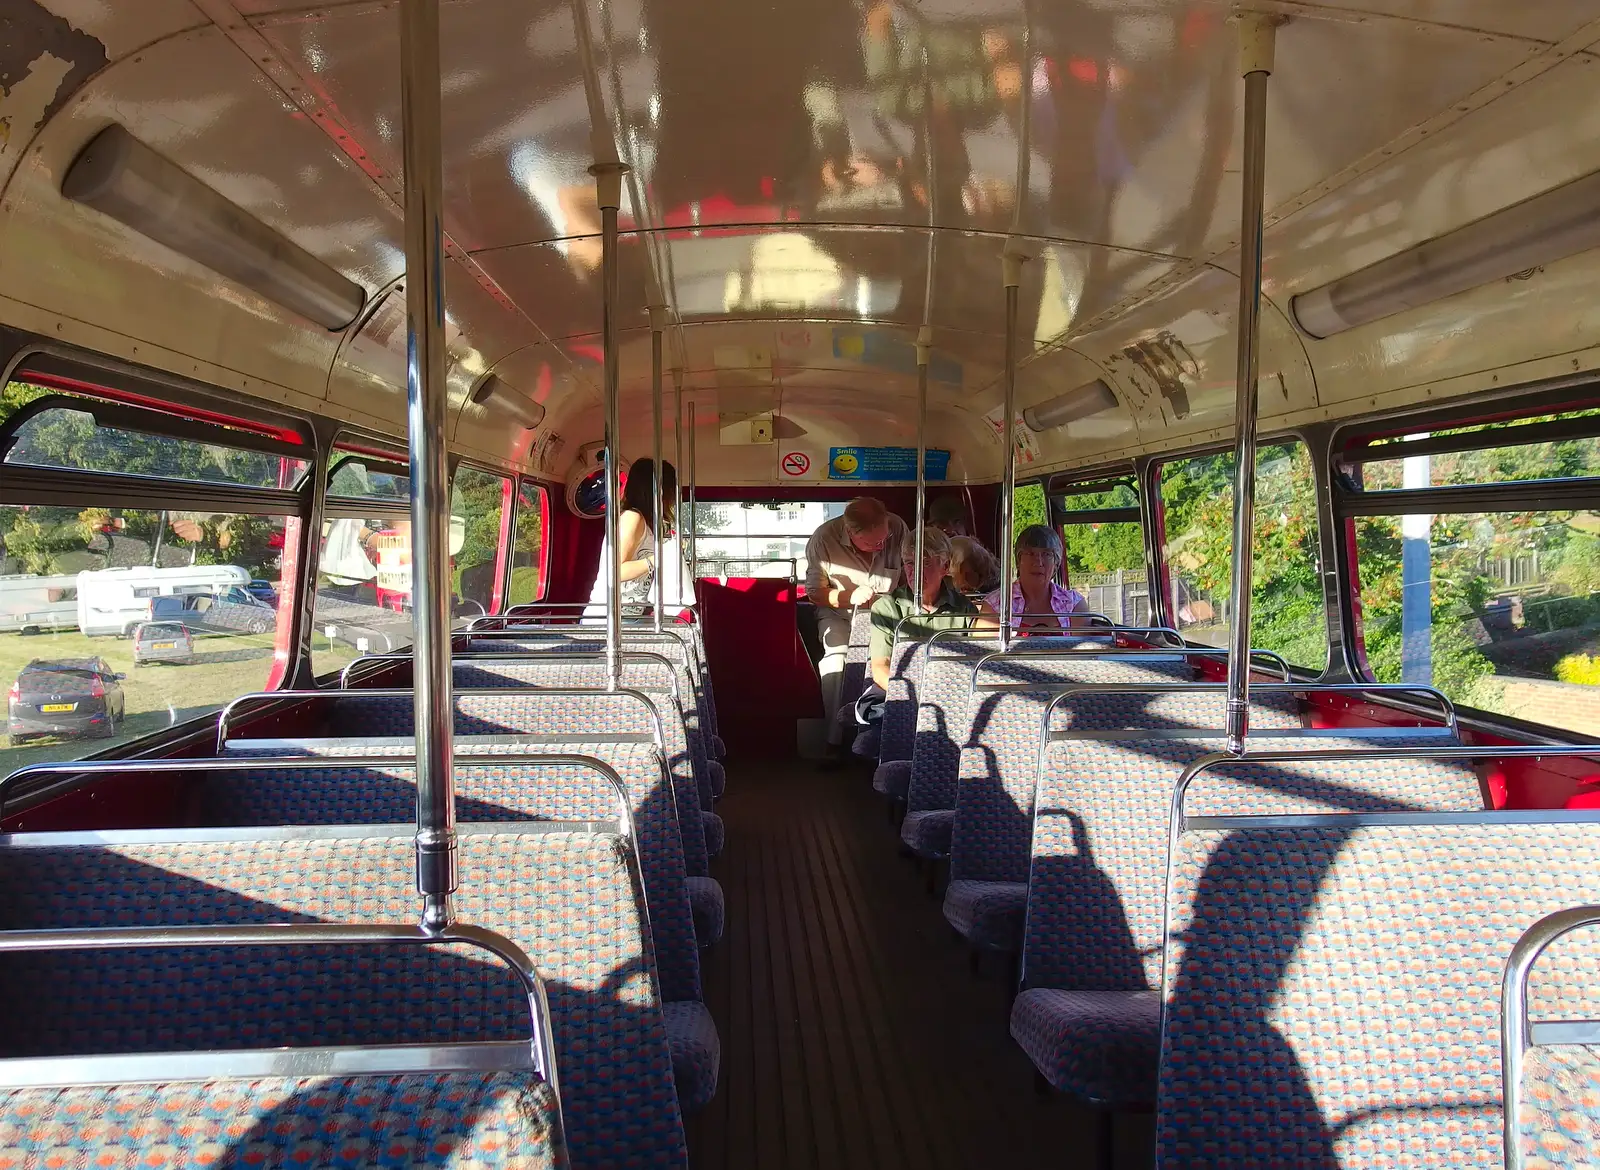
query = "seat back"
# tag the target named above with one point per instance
(1333, 983)
(285, 1105)
(580, 785)
(854, 680)
(571, 900)
(1097, 877)
(1551, 1067)
(998, 765)
(512, 708)
(696, 725)
(898, 730)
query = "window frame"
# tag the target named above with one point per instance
(523, 483)
(171, 406)
(1352, 442)
(500, 582)
(1148, 475)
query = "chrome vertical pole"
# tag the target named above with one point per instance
(608, 192)
(657, 313)
(924, 346)
(694, 551)
(1257, 35)
(426, 413)
(1012, 263)
(677, 439)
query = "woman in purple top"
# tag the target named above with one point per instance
(1037, 588)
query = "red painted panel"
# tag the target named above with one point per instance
(762, 677)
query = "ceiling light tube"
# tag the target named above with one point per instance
(1086, 400)
(120, 176)
(494, 389)
(1549, 227)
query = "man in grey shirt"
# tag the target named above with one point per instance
(852, 560)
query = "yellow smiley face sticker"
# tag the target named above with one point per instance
(845, 462)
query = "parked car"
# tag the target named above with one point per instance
(234, 611)
(162, 642)
(71, 698)
(263, 591)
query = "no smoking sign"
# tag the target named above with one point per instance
(795, 464)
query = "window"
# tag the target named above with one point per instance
(527, 553)
(363, 601)
(1286, 595)
(1104, 543)
(1495, 602)
(750, 539)
(76, 583)
(105, 438)
(479, 501)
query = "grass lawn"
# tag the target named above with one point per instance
(224, 667)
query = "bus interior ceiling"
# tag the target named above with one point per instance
(842, 232)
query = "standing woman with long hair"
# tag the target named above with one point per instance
(636, 537)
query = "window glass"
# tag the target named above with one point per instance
(757, 539)
(363, 599)
(69, 439)
(1286, 595)
(1503, 613)
(1512, 462)
(1105, 561)
(527, 553)
(478, 502)
(354, 478)
(79, 590)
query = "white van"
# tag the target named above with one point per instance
(113, 601)
(34, 605)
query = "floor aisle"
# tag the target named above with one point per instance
(853, 1032)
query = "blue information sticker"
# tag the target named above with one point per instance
(884, 464)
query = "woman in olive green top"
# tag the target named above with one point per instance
(941, 601)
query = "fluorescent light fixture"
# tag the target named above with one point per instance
(120, 176)
(493, 389)
(1086, 400)
(1549, 227)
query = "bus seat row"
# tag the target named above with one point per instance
(1301, 965)
(1087, 1013)
(1349, 970)
(568, 895)
(945, 716)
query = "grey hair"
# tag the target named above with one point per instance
(935, 543)
(1041, 536)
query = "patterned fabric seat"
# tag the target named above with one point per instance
(708, 907)
(892, 778)
(987, 914)
(693, 689)
(898, 732)
(1560, 1127)
(619, 715)
(855, 676)
(719, 779)
(343, 796)
(1333, 990)
(1097, 879)
(941, 715)
(716, 833)
(572, 900)
(998, 769)
(1098, 1045)
(926, 832)
(696, 1053)
(460, 1120)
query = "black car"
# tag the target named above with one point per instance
(70, 698)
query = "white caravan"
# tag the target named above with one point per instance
(113, 601)
(33, 605)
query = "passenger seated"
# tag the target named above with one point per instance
(942, 608)
(1037, 588)
(973, 568)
